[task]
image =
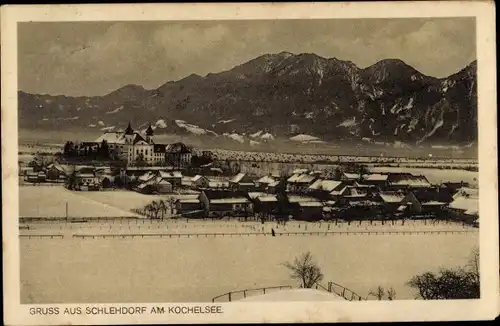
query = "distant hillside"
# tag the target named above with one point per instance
(281, 96)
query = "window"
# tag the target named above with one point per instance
(137, 152)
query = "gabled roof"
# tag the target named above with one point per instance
(299, 199)
(256, 194)
(469, 205)
(310, 204)
(294, 177)
(325, 185)
(305, 178)
(218, 194)
(409, 180)
(339, 192)
(376, 177)
(231, 200)
(351, 176)
(300, 171)
(267, 198)
(467, 192)
(237, 178)
(392, 196)
(266, 179)
(170, 174)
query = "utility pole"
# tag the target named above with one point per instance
(66, 211)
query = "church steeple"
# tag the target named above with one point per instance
(149, 131)
(129, 130)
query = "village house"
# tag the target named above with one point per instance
(321, 188)
(218, 184)
(178, 155)
(465, 205)
(392, 201)
(272, 187)
(189, 206)
(350, 178)
(264, 182)
(56, 172)
(407, 181)
(298, 183)
(241, 181)
(222, 203)
(200, 182)
(151, 183)
(305, 207)
(376, 179)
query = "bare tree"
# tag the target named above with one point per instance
(460, 283)
(391, 294)
(305, 270)
(378, 293)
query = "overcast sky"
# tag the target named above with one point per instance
(95, 58)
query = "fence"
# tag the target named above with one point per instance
(42, 236)
(231, 295)
(342, 291)
(248, 234)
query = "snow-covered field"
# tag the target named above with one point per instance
(40, 201)
(435, 176)
(199, 268)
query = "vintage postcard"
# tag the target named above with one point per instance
(249, 163)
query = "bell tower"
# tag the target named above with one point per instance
(149, 134)
(129, 134)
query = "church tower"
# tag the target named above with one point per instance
(129, 134)
(149, 134)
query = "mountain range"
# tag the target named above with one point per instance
(282, 95)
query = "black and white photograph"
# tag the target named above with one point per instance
(222, 161)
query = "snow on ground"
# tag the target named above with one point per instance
(235, 137)
(294, 295)
(257, 134)
(348, 123)
(304, 138)
(190, 127)
(435, 176)
(267, 136)
(108, 128)
(161, 124)
(118, 109)
(198, 269)
(50, 201)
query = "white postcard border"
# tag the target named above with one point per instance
(484, 308)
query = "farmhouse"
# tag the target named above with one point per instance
(199, 181)
(241, 181)
(226, 203)
(188, 206)
(376, 179)
(178, 155)
(407, 181)
(266, 204)
(299, 183)
(265, 181)
(322, 188)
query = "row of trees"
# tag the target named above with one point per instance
(458, 283)
(157, 209)
(102, 152)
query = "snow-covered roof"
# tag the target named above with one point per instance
(411, 181)
(305, 295)
(274, 184)
(256, 194)
(266, 179)
(237, 200)
(189, 201)
(300, 199)
(173, 174)
(469, 205)
(433, 203)
(300, 171)
(237, 178)
(392, 197)
(268, 198)
(305, 178)
(294, 177)
(376, 177)
(196, 178)
(326, 185)
(310, 204)
(338, 192)
(467, 192)
(351, 176)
